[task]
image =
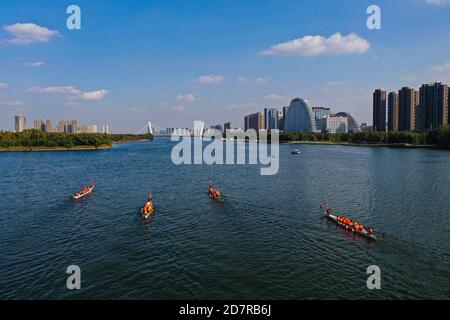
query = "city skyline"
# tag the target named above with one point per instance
(63, 125)
(411, 109)
(185, 63)
(402, 110)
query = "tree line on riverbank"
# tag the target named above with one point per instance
(37, 138)
(129, 137)
(438, 137)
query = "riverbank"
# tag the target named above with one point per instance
(126, 141)
(35, 140)
(76, 148)
(373, 145)
(433, 139)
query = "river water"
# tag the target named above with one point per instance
(267, 240)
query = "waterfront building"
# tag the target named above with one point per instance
(353, 125)
(254, 121)
(379, 110)
(68, 126)
(433, 106)
(183, 132)
(20, 123)
(365, 127)
(280, 120)
(169, 131)
(270, 118)
(283, 117)
(43, 125)
(104, 129)
(333, 124)
(88, 129)
(393, 111)
(300, 117)
(39, 125)
(320, 112)
(217, 127)
(285, 111)
(73, 126)
(227, 126)
(408, 99)
(48, 125)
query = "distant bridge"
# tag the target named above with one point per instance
(158, 131)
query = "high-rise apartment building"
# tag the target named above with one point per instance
(282, 117)
(20, 123)
(104, 129)
(73, 126)
(408, 99)
(228, 126)
(48, 125)
(43, 125)
(254, 121)
(379, 110)
(68, 126)
(433, 106)
(393, 111)
(270, 118)
(39, 125)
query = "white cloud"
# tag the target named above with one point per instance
(28, 33)
(440, 72)
(242, 106)
(274, 97)
(12, 103)
(310, 46)
(441, 3)
(92, 95)
(186, 97)
(3, 85)
(440, 69)
(59, 90)
(33, 64)
(210, 79)
(333, 85)
(74, 93)
(255, 81)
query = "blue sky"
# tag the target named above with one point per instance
(174, 62)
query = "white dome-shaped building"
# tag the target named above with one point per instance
(353, 125)
(300, 117)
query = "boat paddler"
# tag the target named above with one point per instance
(148, 208)
(213, 192)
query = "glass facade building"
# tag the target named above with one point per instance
(271, 119)
(300, 117)
(320, 112)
